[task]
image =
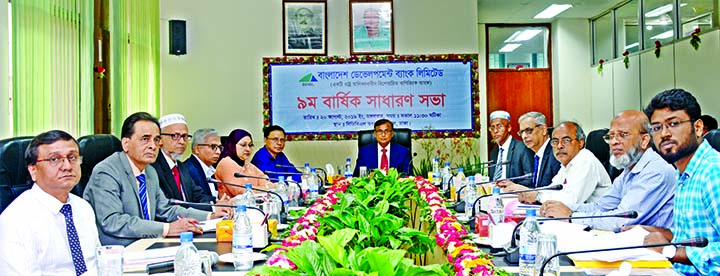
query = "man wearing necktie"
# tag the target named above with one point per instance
(206, 148)
(125, 193)
(512, 158)
(60, 238)
(384, 154)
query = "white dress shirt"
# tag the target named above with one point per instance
(584, 180)
(380, 155)
(33, 235)
(209, 173)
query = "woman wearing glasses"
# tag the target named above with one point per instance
(235, 158)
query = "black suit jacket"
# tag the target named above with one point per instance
(549, 168)
(197, 174)
(193, 193)
(520, 160)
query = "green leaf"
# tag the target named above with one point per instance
(306, 257)
(335, 244)
(344, 272)
(384, 260)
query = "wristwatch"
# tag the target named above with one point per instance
(669, 251)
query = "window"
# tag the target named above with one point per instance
(696, 14)
(659, 21)
(602, 28)
(509, 47)
(627, 28)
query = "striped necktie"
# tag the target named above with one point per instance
(73, 240)
(499, 166)
(143, 196)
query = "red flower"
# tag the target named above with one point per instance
(330, 59)
(696, 31)
(657, 44)
(99, 69)
(391, 58)
(601, 61)
(626, 53)
(368, 58)
(519, 67)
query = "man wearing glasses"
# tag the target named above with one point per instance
(677, 132)
(384, 154)
(583, 177)
(271, 159)
(175, 179)
(124, 190)
(59, 237)
(511, 157)
(206, 148)
(646, 185)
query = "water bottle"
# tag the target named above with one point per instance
(293, 195)
(470, 196)
(496, 209)
(528, 243)
(282, 190)
(446, 176)
(312, 186)
(242, 248)
(436, 166)
(304, 181)
(248, 196)
(348, 168)
(457, 183)
(187, 260)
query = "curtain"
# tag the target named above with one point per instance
(52, 73)
(134, 59)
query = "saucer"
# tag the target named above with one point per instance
(228, 257)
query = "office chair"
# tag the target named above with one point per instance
(401, 136)
(713, 137)
(94, 148)
(595, 143)
(14, 175)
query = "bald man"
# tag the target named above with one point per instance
(646, 185)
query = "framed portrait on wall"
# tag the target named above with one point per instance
(371, 27)
(304, 27)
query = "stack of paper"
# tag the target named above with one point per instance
(138, 261)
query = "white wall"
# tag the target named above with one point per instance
(571, 83)
(5, 115)
(219, 82)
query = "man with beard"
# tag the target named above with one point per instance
(646, 185)
(677, 132)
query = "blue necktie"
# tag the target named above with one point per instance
(73, 241)
(498, 166)
(143, 196)
(535, 171)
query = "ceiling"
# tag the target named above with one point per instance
(523, 11)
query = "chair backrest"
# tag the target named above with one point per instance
(94, 148)
(14, 176)
(713, 137)
(595, 143)
(401, 136)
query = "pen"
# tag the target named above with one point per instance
(193, 223)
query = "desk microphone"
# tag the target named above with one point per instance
(239, 175)
(694, 242)
(322, 179)
(512, 252)
(282, 203)
(288, 173)
(169, 265)
(462, 202)
(556, 187)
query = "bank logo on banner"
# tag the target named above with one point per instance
(308, 80)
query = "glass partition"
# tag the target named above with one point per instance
(627, 28)
(509, 47)
(697, 14)
(602, 28)
(659, 19)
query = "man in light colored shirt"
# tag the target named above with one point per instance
(47, 230)
(206, 148)
(583, 177)
(125, 193)
(512, 158)
(646, 185)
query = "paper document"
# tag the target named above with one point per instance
(138, 261)
(209, 225)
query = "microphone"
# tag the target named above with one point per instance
(512, 256)
(322, 179)
(169, 265)
(525, 176)
(694, 242)
(555, 187)
(289, 173)
(239, 175)
(282, 204)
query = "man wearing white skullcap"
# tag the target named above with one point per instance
(511, 158)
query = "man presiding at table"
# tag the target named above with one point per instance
(125, 193)
(646, 185)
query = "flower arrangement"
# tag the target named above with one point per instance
(100, 71)
(657, 48)
(601, 62)
(519, 67)
(626, 59)
(459, 151)
(695, 38)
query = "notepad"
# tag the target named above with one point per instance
(138, 261)
(209, 225)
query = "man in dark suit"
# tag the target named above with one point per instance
(206, 148)
(174, 177)
(515, 158)
(534, 132)
(384, 154)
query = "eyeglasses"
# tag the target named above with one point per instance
(565, 141)
(277, 140)
(383, 131)
(57, 160)
(658, 127)
(213, 147)
(528, 131)
(497, 128)
(177, 136)
(620, 136)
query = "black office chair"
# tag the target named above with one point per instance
(595, 143)
(94, 148)
(713, 137)
(401, 136)
(14, 176)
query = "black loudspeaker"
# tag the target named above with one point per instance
(177, 37)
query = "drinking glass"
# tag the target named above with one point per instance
(110, 260)
(363, 171)
(547, 246)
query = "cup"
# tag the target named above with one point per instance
(205, 262)
(110, 260)
(547, 246)
(363, 171)
(272, 227)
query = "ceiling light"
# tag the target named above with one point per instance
(552, 11)
(509, 47)
(664, 35)
(632, 45)
(523, 35)
(662, 10)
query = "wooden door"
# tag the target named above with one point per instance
(101, 85)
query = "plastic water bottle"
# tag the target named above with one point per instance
(242, 240)
(496, 209)
(282, 190)
(457, 183)
(187, 260)
(312, 186)
(436, 166)
(248, 196)
(470, 196)
(304, 181)
(528, 243)
(446, 176)
(348, 168)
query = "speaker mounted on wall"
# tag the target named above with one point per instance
(177, 37)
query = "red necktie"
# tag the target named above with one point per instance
(384, 160)
(176, 174)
